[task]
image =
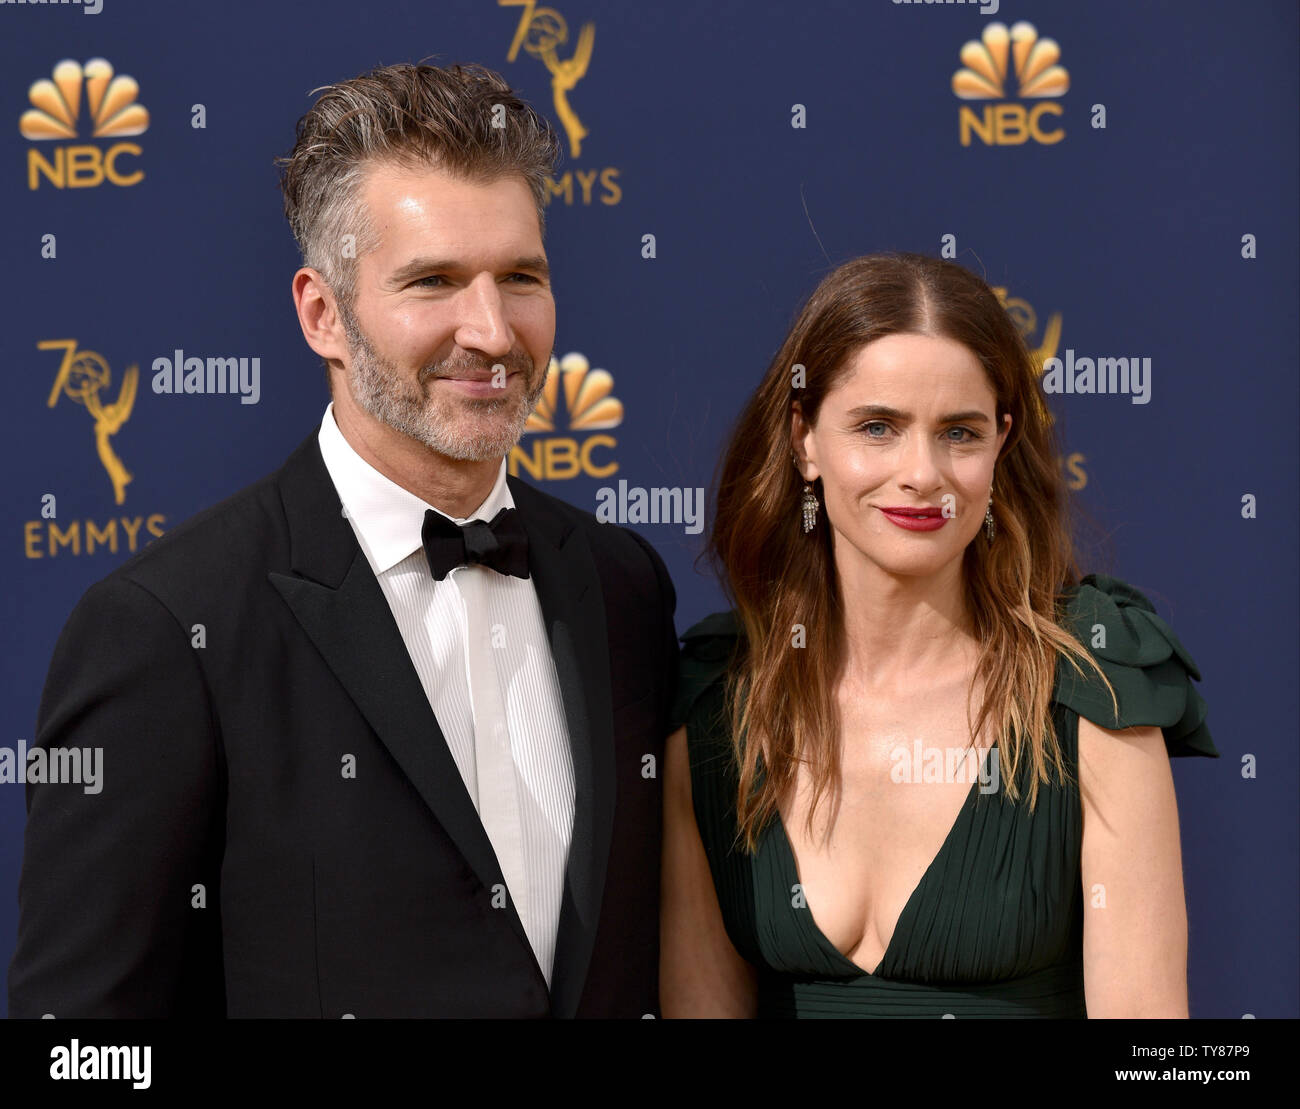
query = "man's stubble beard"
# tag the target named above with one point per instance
(454, 427)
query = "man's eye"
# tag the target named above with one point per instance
(427, 282)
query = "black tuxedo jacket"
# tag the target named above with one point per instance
(282, 830)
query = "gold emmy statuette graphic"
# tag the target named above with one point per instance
(111, 105)
(1026, 319)
(540, 31)
(82, 375)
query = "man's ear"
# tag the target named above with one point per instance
(318, 315)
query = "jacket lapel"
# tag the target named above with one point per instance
(573, 609)
(335, 596)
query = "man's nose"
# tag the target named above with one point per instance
(482, 318)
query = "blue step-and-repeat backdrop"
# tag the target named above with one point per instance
(1130, 191)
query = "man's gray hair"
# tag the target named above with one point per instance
(464, 120)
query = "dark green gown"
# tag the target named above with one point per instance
(995, 927)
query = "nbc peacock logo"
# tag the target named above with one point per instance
(83, 100)
(589, 406)
(987, 64)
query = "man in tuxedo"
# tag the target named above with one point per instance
(380, 732)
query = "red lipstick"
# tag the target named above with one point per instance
(924, 518)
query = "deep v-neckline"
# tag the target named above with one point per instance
(810, 922)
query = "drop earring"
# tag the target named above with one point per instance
(989, 529)
(809, 503)
(810, 506)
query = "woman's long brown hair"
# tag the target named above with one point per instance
(781, 700)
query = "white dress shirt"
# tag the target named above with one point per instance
(432, 618)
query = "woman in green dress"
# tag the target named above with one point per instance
(922, 768)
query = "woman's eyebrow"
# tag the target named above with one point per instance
(864, 411)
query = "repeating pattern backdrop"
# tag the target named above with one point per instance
(1125, 173)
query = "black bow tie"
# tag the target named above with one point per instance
(501, 545)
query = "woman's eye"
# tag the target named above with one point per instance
(966, 435)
